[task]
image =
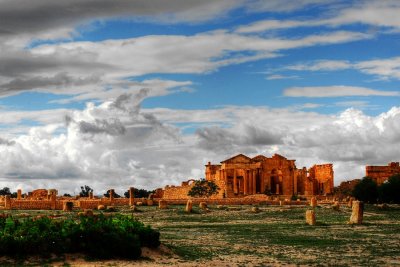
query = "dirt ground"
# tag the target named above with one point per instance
(274, 236)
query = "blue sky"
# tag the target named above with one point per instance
(144, 93)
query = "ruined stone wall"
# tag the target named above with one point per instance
(381, 173)
(26, 204)
(159, 192)
(38, 194)
(239, 201)
(212, 172)
(35, 205)
(241, 176)
(177, 192)
(322, 177)
(279, 170)
(301, 179)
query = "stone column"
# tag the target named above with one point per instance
(7, 203)
(131, 196)
(225, 177)
(254, 181)
(235, 187)
(162, 204)
(53, 199)
(277, 189)
(19, 194)
(90, 195)
(203, 205)
(313, 202)
(246, 182)
(250, 181)
(357, 212)
(189, 206)
(262, 183)
(310, 217)
(111, 195)
(350, 203)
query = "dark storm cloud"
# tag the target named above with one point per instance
(61, 79)
(26, 16)
(102, 126)
(220, 139)
(215, 139)
(256, 136)
(5, 142)
(13, 62)
(130, 102)
(23, 70)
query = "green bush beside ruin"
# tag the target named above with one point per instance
(98, 237)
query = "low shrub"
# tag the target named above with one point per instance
(98, 237)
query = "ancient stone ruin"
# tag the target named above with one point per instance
(48, 199)
(242, 176)
(310, 217)
(357, 212)
(381, 173)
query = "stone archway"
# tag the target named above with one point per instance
(276, 182)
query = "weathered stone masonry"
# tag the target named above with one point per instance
(381, 173)
(242, 176)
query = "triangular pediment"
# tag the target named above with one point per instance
(238, 159)
(279, 156)
(259, 158)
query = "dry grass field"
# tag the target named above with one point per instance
(277, 235)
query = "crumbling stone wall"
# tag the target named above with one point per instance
(241, 176)
(38, 194)
(381, 173)
(322, 178)
(43, 199)
(177, 192)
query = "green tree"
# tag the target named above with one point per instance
(203, 188)
(85, 190)
(5, 191)
(366, 190)
(139, 193)
(389, 192)
(107, 194)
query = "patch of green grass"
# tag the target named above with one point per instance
(281, 233)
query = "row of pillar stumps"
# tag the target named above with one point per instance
(357, 211)
(68, 205)
(355, 218)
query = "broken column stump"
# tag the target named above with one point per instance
(313, 202)
(350, 203)
(162, 204)
(68, 206)
(357, 212)
(203, 205)
(19, 194)
(310, 217)
(131, 196)
(111, 195)
(7, 202)
(189, 206)
(53, 201)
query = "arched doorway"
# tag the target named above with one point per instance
(275, 182)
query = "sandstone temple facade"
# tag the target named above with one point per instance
(381, 173)
(242, 176)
